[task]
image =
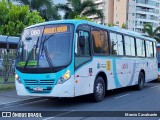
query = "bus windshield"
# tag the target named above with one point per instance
(45, 47)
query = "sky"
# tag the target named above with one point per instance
(59, 1)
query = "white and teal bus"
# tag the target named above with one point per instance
(70, 58)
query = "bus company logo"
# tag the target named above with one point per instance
(37, 81)
(98, 66)
(125, 66)
(47, 76)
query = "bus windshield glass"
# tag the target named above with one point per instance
(45, 47)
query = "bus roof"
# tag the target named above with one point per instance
(77, 22)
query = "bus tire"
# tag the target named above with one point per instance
(99, 90)
(141, 81)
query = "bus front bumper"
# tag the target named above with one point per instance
(60, 90)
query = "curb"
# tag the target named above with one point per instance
(20, 102)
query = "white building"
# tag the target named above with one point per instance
(141, 12)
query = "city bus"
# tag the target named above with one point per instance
(70, 58)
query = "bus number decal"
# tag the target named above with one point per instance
(35, 32)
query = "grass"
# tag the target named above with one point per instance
(7, 86)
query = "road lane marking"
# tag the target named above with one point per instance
(59, 115)
(121, 96)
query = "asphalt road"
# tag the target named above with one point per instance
(126, 99)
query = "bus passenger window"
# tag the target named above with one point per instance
(140, 47)
(100, 41)
(129, 46)
(149, 49)
(116, 44)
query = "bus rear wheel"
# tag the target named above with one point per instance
(99, 90)
(141, 81)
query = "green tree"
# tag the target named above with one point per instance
(15, 18)
(124, 25)
(111, 24)
(79, 7)
(78, 17)
(46, 8)
(151, 32)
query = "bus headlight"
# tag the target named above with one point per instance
(17, 78)
(64, 78)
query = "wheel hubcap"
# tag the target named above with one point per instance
(141, 81)
(99, 89)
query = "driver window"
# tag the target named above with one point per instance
(83, 43)
(83, 48)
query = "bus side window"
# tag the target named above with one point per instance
(83, 43)
(100, 41)
(82, 48)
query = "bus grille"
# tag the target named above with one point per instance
(39, 82)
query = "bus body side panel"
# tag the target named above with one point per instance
(120, 72)
(151, 69)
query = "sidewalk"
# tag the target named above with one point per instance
(10, 98)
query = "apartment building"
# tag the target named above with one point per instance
(141, 12)
(114, 11)
(133, 13)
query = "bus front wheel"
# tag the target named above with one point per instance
(141, 81)
(99, 90)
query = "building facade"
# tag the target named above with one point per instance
(114, 12)
(133, 13)
(141, 12)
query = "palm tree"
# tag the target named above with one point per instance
(79, 7)
(46, 8)
(152, 33)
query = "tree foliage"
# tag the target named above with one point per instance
(78, 17)
(124, 26)
(13, 19)
(46, 8)
(79, 7)
(151, 32)
(112, 24)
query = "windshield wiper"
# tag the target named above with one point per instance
(34, 47)
(45, 41)
(46, 51)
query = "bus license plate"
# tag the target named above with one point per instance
(38, 89)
